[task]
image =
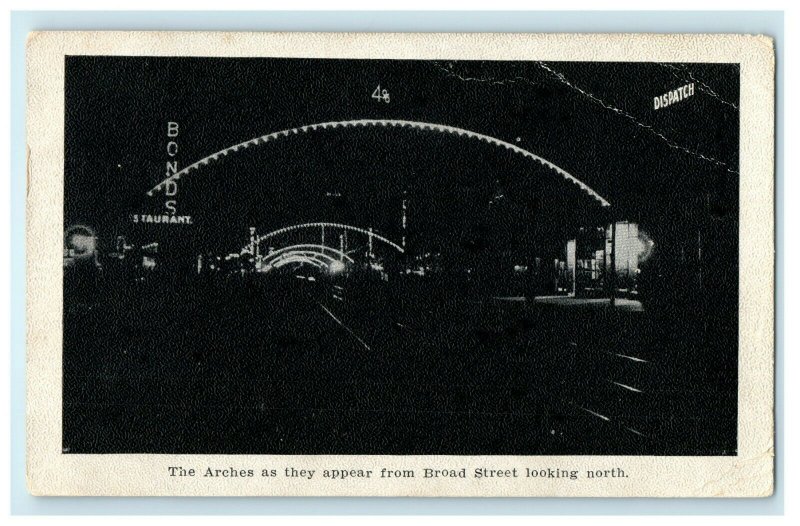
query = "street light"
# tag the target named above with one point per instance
(336, 266)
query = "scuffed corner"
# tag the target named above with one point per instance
(766, 41)
(766, 47)
(31, 483)
(765, 488)
(761, 479)
(768, 489)
(32, 40)
(768, 492)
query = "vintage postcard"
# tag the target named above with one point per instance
(400, 264)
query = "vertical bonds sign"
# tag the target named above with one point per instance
(172, 166)
(171, 216)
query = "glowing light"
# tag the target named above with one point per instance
(320, 250)
(82, 244)
(318, 258)
(148, 263)
(80, 241)
(336, 267)
(646, 246)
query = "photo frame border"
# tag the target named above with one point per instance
(550, 13)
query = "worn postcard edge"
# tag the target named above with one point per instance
(749, 474)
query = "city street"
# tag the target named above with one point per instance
(292, 366)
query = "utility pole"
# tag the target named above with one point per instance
(404, 220)
(613, 261)
(699, 261)
(606, 256)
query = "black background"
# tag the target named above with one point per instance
(673, 171)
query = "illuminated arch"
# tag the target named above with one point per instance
(279, 261)
(320, 256)
(308, 248)
(330, 225)
(441, 128)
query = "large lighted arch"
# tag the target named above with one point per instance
(441, 128)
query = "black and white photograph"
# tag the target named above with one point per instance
(400, 257)
(385, 265)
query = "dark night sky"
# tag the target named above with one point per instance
(602, 128)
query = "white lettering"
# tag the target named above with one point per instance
(671, 97)
(172, 129)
